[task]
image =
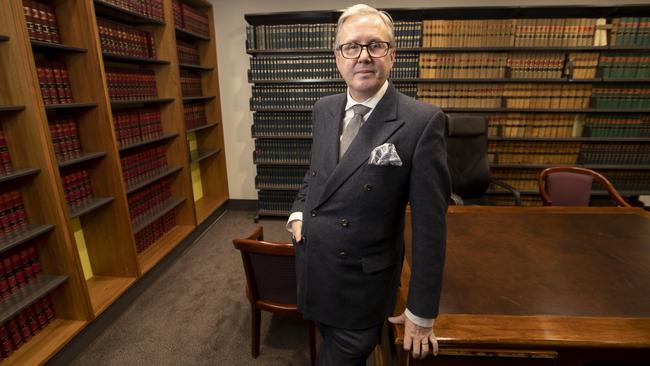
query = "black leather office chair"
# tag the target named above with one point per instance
(467, 157)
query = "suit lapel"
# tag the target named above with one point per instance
(381, 124)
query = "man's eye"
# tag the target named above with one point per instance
(352, 47)
(374, 46)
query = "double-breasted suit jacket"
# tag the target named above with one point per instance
(348, 264)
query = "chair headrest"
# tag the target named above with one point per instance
(466, 125)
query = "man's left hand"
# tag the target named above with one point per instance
(419, 340)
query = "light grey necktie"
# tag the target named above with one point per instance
(350, 131)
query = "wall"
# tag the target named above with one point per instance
(233, 66)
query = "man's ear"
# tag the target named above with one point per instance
(393, 55)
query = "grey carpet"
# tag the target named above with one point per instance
(196, 311)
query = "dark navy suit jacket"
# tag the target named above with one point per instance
(348, 264)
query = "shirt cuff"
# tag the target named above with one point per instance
(293, 217)
(423, 322)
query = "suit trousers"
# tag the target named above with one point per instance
(346, 347)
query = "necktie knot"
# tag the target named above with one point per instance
(360, 109)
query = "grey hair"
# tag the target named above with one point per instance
(363, 9)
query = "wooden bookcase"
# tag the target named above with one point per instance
(522, 175)
(88, 251)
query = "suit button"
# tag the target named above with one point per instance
(313, 173)
(342, 253)
(313, 213)
(344, 223)
(367, 187)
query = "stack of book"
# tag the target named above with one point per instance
(41, 21)
(462, 95)
(630, 31)
(152, 9)
(143, 164)
(408, 34)
(194, 114)
(121, 39)
(464, 65)
(612, 153)
(65, 137)
(276, 201)
(294, 67)
(288, 96)
(547, 96)
(582, 65)
(148, 199)
(54, 80)
(523, 179)
(629, 65)
(188, 18)
(617, 125)
(154, 231)
(133, 126)
(5, 159)
(21, 328)
(284, 152)
(621, 96)
(288, 178)
(188, 53)
(13, 219)
(281, 124)
(638, 180)
(77, 188)
(532, 125)
(533, 152)
(191, 84)
(406, 66)
(270, 37)
(126, 84)
(18, 267)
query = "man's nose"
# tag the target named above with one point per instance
(365, 55)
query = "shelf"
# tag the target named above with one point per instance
(280, 163)
(206, 205)
(624, 193)
(273, 213)
(116, 12)
(32, 231)
(156, 213)
(104, 290)
(198, 99)
(200, 128)
(572, 139)
(195, 67)
(3, 38)
(159, 250)
(456, 80)
(203, 4)
(288, 137)
(136, 102)
(46, 343)
(49, 46)
(203, 154)
(55, 107)
(37, 288)
(541, 110)
(276, 188)
(184, 33)
(18, 173)
(93, 204)
(535, 49)
(280, 109)
(160, 175)
(167, 136)
(11, 108)
(83, 157)
(590, 166)
(133, 59)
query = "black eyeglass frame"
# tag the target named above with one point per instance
(362, 46)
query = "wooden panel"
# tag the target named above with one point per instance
(104, 290)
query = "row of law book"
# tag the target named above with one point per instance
(188, 18)
(65, 137)
(527, 179)
(24, 326)
(77, 188)
(533, 152)
(408, 34)
(121, 39)
(521, 179)
(5, 158)
(191, 84)
(13, 218)
(126, 84)
(616, 125)
(287, 178)
(625, 65)
(188, 53)
(136, 125)
(154, 231)
(281, 124)
(194, 115)
(18, 267)
(54, 80)
(41, 21)
(152, 9)
(547, 125)
(610, 153)
(143, 164)
(630, 31)
(282, 152)
(275, 201)
(621, 96)
(148, 199)
(290, 36)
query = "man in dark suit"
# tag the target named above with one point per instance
(374, 149)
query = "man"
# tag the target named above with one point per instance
(367, 162)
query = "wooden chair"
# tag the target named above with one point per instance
(571, 186)
(270, 283)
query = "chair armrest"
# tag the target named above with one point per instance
(457, 200)
(513, 190)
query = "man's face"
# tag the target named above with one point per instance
(364, 75)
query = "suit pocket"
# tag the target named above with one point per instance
(378, 262)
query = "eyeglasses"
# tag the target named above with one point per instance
(375, 49)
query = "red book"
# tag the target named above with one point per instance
(6, 347)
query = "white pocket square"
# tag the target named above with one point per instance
(385, 154)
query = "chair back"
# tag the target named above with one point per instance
(270, 269)
(467, 155)
(572, 186)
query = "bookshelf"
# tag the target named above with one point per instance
(589, 95)
(67, 159)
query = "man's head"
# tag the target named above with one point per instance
(365, 49)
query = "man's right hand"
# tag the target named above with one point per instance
(296, 227)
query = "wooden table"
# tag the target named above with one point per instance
(541, 286)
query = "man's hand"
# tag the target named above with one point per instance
(416, 337)
(296, 227)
